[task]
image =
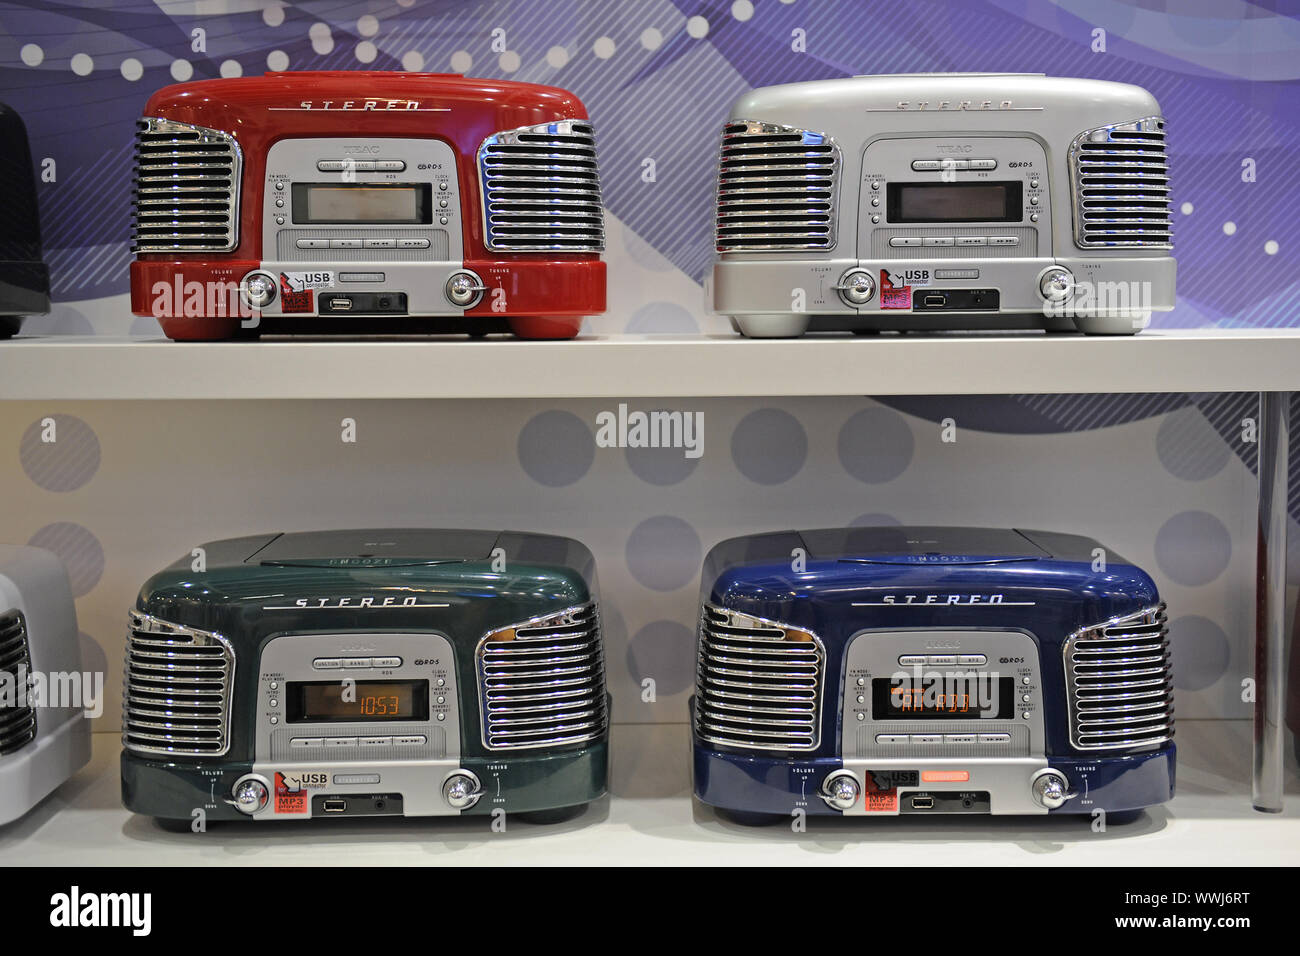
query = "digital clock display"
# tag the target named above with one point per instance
(948, 697)
(363, 700)
(375, 203)
(954, 202)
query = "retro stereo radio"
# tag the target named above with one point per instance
(24, 278)
(362, 202)
(885, 671)
(367, 673)
(44, 733)
(943, 201)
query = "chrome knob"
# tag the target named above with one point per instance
(1056, 284)
(840, 790)
(258, 289)
(856, 287)
(249, 795)
(464, 289)
(461, 790)
(1050, 789)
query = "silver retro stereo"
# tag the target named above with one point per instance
(943, 201)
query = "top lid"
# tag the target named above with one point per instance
(380, 547)
(923, 545)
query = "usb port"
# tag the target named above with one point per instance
(935, 301)
(334, 805)
(923, 803)
(340, 303)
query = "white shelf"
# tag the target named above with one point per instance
(661, 366)
(651, 819)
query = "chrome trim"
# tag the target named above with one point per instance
(1119, 186)
(779, 706)
(564, 693)
(1125, 702)
(17, 723)
(193, 697)
(186, 188)
(550, 201)
(746, 206)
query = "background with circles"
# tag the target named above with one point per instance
(1167, 481)
(128, 487)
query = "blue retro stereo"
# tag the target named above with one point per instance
(910, 670)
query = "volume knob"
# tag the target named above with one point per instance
(461, 790)
(840, 790)
(856, 287)
(249, 795)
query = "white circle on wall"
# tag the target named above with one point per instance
(1186, 208)
(1229, 227)
(79, 550)
(508, 61)
(1270, 247)
(604, 47)
(231, 69)
(461, 61)
(367, 25)
(322, 40)
(651, 38)
(277, 61)
(742, 10)
(366, 51)
(557, 56)
(31, 54)
(273, 14)
(182, 70)
(132, 69)
(412, 61)
(698, 27)
(81, 64)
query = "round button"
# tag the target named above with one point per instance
(1033, 217)
(258, 289)
(441, 682)
(443, 220)
(861, 699)
(875, 184)
(442, 203)
(1033, 184)
(1056, 284)
(274, 702)
(274, 685)
(442, 716)
(1025, 698)
(841, 790)
(442, 185)
(1033, 200)
(1026, 715)
(861, 716)
(274, 719)
(875, 201)
(464, 289)
(279, 220)
(249, 795)
(856, 287)
(1024, 680)
(875, 219)
(862, 681)
(279, 185)
(461, 790)
(442, 700)
(1050, 789)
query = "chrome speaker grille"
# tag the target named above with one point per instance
(541, 189)
(177, 690)
(542, 681)
(1119, 683)
(18, 718)
(758, 683)
(776, 188)
(1119, 177)
(186, 191)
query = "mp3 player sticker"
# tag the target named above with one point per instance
(895, 293)
(297, 289)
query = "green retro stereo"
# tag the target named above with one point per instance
(366, 673)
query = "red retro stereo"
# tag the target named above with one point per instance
(359, 202)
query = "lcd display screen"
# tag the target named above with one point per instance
(954, 202)
(973, 697)
(347, 204)
(363, 700)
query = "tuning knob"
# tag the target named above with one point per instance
(1050, 789)
(1056, 284)
(464, 289)
(461, 790)
(840, 790)
(249, 795)
(856, 287)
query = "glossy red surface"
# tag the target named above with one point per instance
(259, 111)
